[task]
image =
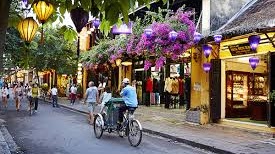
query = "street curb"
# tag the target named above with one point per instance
(188, 142)
(174, 138)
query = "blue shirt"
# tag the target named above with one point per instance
(129, 96)
(91, 94)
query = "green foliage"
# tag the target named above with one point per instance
(56, 53)
(109, 11)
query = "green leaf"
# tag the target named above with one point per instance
(86, 4)
(124, 8)
(62, 10)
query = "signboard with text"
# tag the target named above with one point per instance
(240, 49)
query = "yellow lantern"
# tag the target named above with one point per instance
(27, 29)
(43, 10)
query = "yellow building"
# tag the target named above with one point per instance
(237, 88)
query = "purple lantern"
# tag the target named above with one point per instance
(218, 38)
(96, 23)
(123, 29)
(148, 32)
(80, 18)
(254, 41)
(197, 37)
(206, 67)
(254, 61)
(173, 36)
(206, 48)
(25, 2)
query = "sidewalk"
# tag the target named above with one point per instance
(7, 144)
(171, 124)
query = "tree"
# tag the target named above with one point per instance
(56, 53)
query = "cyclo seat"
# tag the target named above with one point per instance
(131, 109)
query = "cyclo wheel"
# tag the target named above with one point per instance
(98, 126)
(134, 133)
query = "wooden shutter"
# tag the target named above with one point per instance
(215, 90)
(271, 105)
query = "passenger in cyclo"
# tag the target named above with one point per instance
(129, 96)
(104, 98)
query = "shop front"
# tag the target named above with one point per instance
(166, 86)
(237, 86)
(245, 82)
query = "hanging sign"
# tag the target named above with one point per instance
(240, 49)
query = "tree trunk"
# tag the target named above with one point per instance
(4, 16)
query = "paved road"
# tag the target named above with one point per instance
(60, 131)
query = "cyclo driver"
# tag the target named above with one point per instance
(129, 96)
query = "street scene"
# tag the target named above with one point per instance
(137, 76)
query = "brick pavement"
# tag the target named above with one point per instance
(171, 124)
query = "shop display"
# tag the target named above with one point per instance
(244, 92)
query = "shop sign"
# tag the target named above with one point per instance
(240, 49)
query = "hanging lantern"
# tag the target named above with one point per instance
(207, 49)
(25, 2)
(206, 67)
(27, 29)
(96, 23)
(80, 18)
(118, 62)
(218, 38)
(254, 61)
(173, 36)
(254, 41)
(197, 37)
(148, 32)
(43, 10)
(123, 29)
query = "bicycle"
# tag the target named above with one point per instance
(130, 127)
(31, 105)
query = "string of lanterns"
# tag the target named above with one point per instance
(253, 40)
(28, 27)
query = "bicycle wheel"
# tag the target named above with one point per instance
(31, 109)
(135, 133)
(98, 126)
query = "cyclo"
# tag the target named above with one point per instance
(107, 121)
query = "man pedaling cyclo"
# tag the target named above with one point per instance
(129, 96)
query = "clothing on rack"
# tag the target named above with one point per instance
(149, 85)
(175, 86)
(168, 85)
(181, 86)
(152, 99)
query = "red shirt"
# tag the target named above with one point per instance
(149, 85)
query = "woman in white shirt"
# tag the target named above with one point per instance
(105, 97)
(5, 93)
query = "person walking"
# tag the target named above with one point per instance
(73, 94)
(5, 93)
(29, 95)
(35, 94)
(54, 93)
(91, 97)
(18, 94)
